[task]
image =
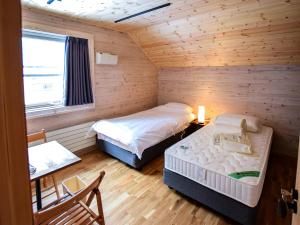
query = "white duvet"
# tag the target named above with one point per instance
(142, 130)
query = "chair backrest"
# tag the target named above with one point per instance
(37, 136)
(53, 212)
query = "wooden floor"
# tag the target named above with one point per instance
(140, 197)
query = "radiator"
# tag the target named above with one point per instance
(73, 138)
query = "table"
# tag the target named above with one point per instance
(48, 158)
(193, 127)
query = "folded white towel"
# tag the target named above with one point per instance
(233, 143)
(230, 135)
(227, 120)
(253, 123)
(223, 129)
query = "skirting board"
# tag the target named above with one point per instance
(85, 150)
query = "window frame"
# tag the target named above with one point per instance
(61, 109)
(38, 35)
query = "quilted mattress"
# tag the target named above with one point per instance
(197, 158)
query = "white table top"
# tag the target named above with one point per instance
(50, 157)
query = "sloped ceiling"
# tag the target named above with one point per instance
(103, 13)
(197, 33)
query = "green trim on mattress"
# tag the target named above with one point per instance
(239, 175)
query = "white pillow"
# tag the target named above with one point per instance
(253, 123)
(179, 106)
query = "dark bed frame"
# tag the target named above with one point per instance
(227, 206)
(149, 154)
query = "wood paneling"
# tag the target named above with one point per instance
(244, 37)
(237, 33)
(103, 13)
(198, 32)
(15, 204)
(128, 87)
(268, 92)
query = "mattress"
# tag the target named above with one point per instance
(139, 131)
(128, 147)
(132, 159)
(197, 158)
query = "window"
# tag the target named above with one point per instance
(57, 72)
(43, 68)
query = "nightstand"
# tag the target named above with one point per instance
(194, 126)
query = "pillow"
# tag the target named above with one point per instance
(253, 123)
(179, 106)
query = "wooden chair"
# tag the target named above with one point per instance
(42, 136)
(72, 209)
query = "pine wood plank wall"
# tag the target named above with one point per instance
(270, 92)
(224, 33)
(128, 87)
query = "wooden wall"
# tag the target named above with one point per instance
(228, 49)
(222, 33)
(128, 87)
(270, 92)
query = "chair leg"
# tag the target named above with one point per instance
(100, 208)
(55, 186)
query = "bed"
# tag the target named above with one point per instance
(138, 138)
(198, 169)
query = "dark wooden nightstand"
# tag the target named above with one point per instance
(194, 126)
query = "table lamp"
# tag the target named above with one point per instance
(201, 114)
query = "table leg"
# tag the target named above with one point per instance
(38, 194)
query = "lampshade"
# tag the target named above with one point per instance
(201, 114)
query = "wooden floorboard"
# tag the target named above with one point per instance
(140, 197)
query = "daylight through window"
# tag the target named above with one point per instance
(43, 68)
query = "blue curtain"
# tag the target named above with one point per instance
(78, 85)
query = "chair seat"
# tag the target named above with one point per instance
(78, 214)
(72, 209)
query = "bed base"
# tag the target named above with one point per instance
(229, 207)
(131, 159)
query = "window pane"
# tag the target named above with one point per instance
(43, 62)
